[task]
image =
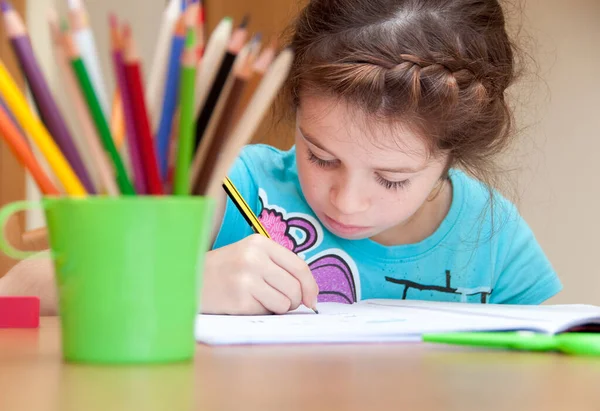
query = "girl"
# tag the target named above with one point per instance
(400, 106)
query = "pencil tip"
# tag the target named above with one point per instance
(227, 19)
(245, 21)
(5, 5)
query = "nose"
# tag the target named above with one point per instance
(348, 197)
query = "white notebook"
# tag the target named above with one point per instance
(388, 321)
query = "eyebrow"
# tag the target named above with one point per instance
(399, 170)
(313, 140)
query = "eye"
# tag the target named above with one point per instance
(392, 185)
(320, 162)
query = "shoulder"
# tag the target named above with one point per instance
(480, 203)
(523, 273)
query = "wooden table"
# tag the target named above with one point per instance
(312, 378)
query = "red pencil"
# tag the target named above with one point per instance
(133, 74)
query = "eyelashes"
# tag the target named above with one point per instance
(319, 161)
(327, 164)
(392, 185)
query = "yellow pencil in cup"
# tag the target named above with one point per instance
(17, 103)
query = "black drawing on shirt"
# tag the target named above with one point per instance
(448, 289)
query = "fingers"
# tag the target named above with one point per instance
(295, 266)
(271, 299)
(285, 283)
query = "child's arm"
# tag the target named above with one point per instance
(32, 277)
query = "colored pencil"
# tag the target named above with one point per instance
(210, 180)
(200, 30)
(40, 90)
(185, 145)
(145, 141)
(17, 103)
(170, 101)
(212, 142)
(84, 38)
(117, 119)
(97, 115)
(211, 59)
(67, 105)
(260, 67)
(90, 136)
(18, 145)
(139, 179)
(237, 41)
(158, 68)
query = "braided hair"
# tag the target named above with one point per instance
(440, 66)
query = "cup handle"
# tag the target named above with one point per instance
(5, 213)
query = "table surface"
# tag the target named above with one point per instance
(312, 377)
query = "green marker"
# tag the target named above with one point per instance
(569, 343)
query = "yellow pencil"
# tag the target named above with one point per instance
(244, 208)
(33, 126)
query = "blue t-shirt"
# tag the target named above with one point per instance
(471, 257)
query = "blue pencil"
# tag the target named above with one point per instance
(163, 135)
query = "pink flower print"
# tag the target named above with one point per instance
(276, 227)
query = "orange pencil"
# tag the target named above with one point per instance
(18, 145)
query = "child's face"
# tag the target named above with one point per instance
(360, 177)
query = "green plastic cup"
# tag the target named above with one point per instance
(128, 273)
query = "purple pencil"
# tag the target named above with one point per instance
(139, 179)
(49, 110)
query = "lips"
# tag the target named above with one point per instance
(345, 229)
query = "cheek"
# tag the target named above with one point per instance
(398, 206)
(312, 180)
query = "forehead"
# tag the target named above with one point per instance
(340, 125)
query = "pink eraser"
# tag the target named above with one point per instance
(19, 312)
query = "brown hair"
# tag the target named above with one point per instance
(441, 66)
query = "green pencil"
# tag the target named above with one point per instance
(95, 109)
(181, 180)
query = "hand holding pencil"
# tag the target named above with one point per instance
(256, 276)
